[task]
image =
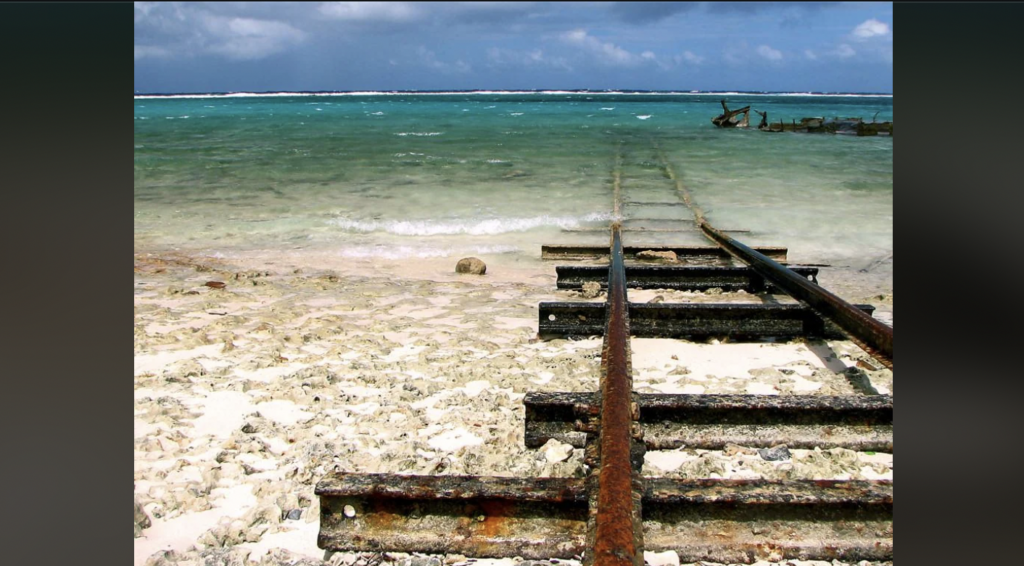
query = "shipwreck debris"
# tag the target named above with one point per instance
(847, 126)
(810, 125)
(730, 119)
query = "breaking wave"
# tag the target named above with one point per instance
(471, 227)
(402, 252)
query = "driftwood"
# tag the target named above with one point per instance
(730, 118)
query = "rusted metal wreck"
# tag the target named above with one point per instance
(847, 126)
(731, 118)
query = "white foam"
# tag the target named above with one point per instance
(419, 134)
(403, 252)
(472, 227)
(643, 117)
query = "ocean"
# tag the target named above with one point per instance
(328, 179)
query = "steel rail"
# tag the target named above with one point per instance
(872, 335)
(617, 525)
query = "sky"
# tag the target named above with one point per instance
(358, 46)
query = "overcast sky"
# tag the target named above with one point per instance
(773, 46)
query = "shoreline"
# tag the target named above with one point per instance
(246, 395)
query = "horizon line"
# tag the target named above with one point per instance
(244, 93)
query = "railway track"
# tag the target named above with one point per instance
(614, 514)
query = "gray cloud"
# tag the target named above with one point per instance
(535, 58)
(647, 12)
(185, 30)
(352, 46)
(373, 11)
(755, 7)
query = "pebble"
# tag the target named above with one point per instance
(349, 511)
(555, 451)
(591, 290)
(775, 453)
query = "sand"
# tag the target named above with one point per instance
(246, 396)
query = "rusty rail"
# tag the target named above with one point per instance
(713, 422)
(618, 533)
(543, 518)
(870, 334)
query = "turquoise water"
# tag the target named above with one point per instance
(424, 176)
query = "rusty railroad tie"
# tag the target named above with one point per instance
(614, 515)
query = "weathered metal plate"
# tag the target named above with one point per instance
(690, 320)
(629, 252)
(680, 278)
(714, 520)
(712, 422)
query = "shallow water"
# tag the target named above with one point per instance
(497, 175)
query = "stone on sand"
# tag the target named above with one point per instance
(555, 451)
(591, 290)
(471, 265)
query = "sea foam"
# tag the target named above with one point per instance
(472, 227)
(403, 252)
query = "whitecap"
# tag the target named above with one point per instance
(643, 117)
(419, 134)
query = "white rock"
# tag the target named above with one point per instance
(555, 451)
(667, 558)
(350, 511)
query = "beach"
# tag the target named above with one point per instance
(246, 395)
(297, 309)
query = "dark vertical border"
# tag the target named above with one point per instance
(65, 217)
(958, 186)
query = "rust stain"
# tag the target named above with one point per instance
(383, 516)
(497, 517)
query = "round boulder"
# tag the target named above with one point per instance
(471, 265)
